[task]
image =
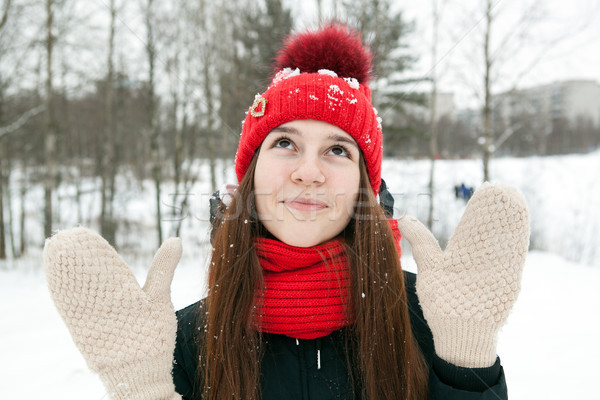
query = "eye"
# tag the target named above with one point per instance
(284, 143)
(339, 151)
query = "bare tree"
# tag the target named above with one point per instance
(51, 132)
(497, 53)
(207, 54)
(5, 168)
(152, 109)
(2, 184)
(109, 162)
(319, 11)
(228, 16)
(486, 113)
(491, 59)
(4, 15)
(3, 20)
(181, 59)
(177, 112)
(16, 48)
(433, 118)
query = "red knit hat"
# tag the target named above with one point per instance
(320, 75)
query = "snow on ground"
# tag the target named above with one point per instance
(38, 358)
(549, 346)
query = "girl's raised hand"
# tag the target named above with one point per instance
(125, 333)
(468, 290)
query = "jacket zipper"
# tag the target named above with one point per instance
(319, 353)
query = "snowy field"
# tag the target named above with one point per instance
(549, 346)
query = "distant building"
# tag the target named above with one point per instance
(555, 118)
(471, 118)
(444, 107)
(568, 100)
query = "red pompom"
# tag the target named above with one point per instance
(334, 47)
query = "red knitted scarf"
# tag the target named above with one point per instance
(306, 290)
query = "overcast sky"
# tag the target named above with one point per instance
(561, 42)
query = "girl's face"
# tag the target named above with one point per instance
(306, 182)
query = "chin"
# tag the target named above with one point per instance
(303, 243)
(304, 234)
(304, 238)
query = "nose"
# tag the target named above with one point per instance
(308, 171)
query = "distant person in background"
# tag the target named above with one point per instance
(463, 192)
(306, 295)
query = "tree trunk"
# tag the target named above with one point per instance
(2, 158)
(4, 17)
(152, 117)
(51, 129)
(433, 121)
(319, 12)
(2, 237)
(107, 220)
(208, 96)
(178, 156)
(23, 192)
(487, 135)
(175, 71)
(9, 203)
(209, 130)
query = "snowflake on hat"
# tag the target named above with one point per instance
(321, 75)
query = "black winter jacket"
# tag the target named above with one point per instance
(290, 369)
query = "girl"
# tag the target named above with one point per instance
(307, 298)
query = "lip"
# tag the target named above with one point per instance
(305, 204)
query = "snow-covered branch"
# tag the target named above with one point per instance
(21, 120)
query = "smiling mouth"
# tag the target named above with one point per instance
(305, 204)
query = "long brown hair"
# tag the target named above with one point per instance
(388, 363)
(391, 365)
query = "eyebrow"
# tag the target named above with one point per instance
(334, 136)
(339, 138)
(286, 129)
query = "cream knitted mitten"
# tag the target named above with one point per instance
(125, 333)
(467, 291)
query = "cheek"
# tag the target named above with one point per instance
(268, 178)
(262, 174)
(260, 187)
(347, 187)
